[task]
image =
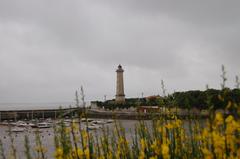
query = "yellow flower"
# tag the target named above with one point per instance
(74, 126)
(121, 140)
(229, 119)
(67, 130)
(205, 133)
(58, 153)
(143, 143)
(219, 142)
(101, 157)
(169, 126)
(238, 152)
(178, 123)
(165, 151)
(85, 138)
(80, 152)
(198, 137)
(207, 154)
(118, 153)
(109, 155)
(84, 134)
(219, 119)
(155, 147)
(232, 126)
(87, 153)
(141, 155)
(160, 129)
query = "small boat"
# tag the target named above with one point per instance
(20, 124)
(93, 127)
(86, 120)
(67, 123)
(49, 120)
(32, 125)
(67, 120)
(43, 125)
(5, 122)
(98, 122)
(110, 121)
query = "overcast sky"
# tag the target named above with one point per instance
(49, 48)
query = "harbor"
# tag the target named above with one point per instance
(45, 130)
(27, 125)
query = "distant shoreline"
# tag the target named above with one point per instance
(4, 106)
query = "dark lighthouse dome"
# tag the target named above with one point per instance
(119, 68)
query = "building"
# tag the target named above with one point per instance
(148, 109)
(120, 96)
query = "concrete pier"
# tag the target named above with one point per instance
(35, 114)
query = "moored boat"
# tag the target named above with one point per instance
(98, 122)
(110, 121)
(19, 124)
(44, 125)
(93, 127)
(86, 120)
(32, 125)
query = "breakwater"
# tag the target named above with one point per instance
(57, 113)
(36, 114)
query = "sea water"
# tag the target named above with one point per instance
(47, 138)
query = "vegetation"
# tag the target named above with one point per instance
(189, 99)
(217, 138)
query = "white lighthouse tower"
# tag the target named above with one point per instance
(120, 96)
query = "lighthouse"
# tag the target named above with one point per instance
(120, 96)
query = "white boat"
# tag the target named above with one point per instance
(93, 127)
(20, 124)
(49, 120)
(32, 125)
(44, 125)
(5, 123)
(67, 123)
(67, 120)
(98, 122)
(24, 124)
(86, 120)
(110, 121)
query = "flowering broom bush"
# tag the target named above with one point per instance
(217, 138)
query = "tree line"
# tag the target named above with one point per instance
(216, 99)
